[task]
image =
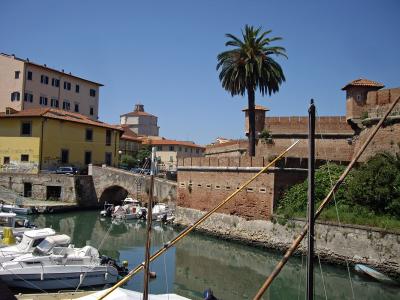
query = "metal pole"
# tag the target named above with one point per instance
(311, 199)
(324, 203)
(149, 221)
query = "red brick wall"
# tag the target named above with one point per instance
(299, 124)
(387, 139)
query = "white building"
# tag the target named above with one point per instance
(140, 122)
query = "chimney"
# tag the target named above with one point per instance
(45, 65)
(139, 107)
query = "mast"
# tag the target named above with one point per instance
(149, 221)
(311, 200)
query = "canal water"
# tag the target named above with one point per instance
(233, 271)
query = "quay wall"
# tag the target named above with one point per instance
(335, 244)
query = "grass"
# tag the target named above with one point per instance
(354, 215)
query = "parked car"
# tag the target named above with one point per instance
(67, 170)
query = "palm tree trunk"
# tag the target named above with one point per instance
(252, 122)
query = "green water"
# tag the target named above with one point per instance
(231, 270)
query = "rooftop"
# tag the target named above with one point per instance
(257, 107)
(129, 134)
(59, 114)
(138, 111)
(163, 141)
(27, 61)
(363, 82)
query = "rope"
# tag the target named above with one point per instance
(322, 276)
(94, 263)
(336, 208)
(190, 228)
(165, 266)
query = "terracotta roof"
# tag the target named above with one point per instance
(137, 113)
(257, 107)
(363, 82)
(51, 69)
(230, 143)
(163, 141)
(58, 114)
(129, 134)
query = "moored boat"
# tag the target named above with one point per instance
(13, 208)
(60, 268)
(18, 225)
(130, 209)
(30, 239)
(373, 274)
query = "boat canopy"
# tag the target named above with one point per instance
(7, 215)
(39, 233)
(52, 241)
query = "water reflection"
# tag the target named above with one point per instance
(232, 270)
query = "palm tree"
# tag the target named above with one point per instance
(248, 67)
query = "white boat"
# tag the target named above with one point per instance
(130, 209)
(371, 273)
(108, 210)
(124, 294)
(15, 209)
(161, 212)
(32, 239)
(18, 225)
(59, 268)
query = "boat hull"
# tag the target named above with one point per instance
(48, 278)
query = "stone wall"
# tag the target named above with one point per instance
(334, 243)
(40, 184)
(135, 185)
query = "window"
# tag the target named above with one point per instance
(28, 97)
(108, 159)
(88, 157)
(180, 148)
(92, 92)
(67, 85)
(197, 151)
(66, 105)
(6, 160)
(54, 103)
(91, 111)
(44, 79)
(17, 74)
(15, 96)
(171, 148)
(43, 100)
(76, 108)
(64, 156)
(89, 135)
(55, 82)
(185, 149)
(29, 75)
(24, 157)
(159, 148)
(108, 137)
(77, 88)
(26, 128)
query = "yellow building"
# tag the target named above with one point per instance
(45, 138)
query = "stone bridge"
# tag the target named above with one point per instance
(113, 185)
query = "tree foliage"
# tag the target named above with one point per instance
(371, 189)
(138, 160)
(249, 66)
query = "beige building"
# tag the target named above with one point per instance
(140, 122)
(25, 85)
(168, 151)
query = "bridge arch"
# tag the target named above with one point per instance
(113, 194)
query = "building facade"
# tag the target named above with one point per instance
(130, 142)
(169, 151)
(26, 85)
(44, 139)
(140, 122)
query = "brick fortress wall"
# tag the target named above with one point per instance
(205, 182)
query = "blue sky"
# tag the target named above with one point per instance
(163, 54)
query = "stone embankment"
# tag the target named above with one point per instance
(335, 244)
